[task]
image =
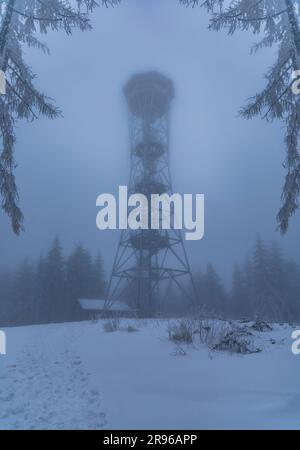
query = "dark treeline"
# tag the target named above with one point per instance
(265, 287)
(47, 290)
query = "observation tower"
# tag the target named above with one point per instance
(148, 262)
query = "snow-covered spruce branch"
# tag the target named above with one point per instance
(21, 22)
(80, 21)
(255, 15)
(192, 3)
(278, 20)
(210, 5)
(8, 189)
(291, 189)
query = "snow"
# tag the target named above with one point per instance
(77, 376)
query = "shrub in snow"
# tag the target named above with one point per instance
(112, 325)
(211, 331)
(236, 341)
(206, 330)
(182, 331)
(215, 334)
(131, 329)
(261, 326)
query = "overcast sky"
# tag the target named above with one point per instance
(65, 164)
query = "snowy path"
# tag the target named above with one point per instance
(53, 375)
(45, 386)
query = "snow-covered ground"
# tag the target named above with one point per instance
(77, 376)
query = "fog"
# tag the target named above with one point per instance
(63, 165)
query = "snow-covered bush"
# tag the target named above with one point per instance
(215, 334)
(182, 331)
(237, 340)
(131, 329)
(204, 329)
(261, 326)
(111, 325)
(211, 331)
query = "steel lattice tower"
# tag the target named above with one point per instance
(148, 262)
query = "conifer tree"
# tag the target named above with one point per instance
(239, 295)
(214, 292)
(199, 285)
(278, 21)
(22, 23)
(6, 290)
(277, 269)
(292, 289)
(98, 277)
(22, 305)
(268, 284)
(54, 284)
(41, 295)
(79, 277)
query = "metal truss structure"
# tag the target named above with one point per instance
(148, 262)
